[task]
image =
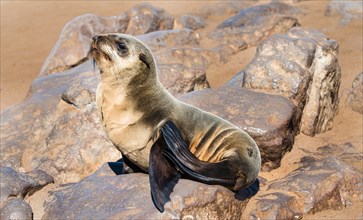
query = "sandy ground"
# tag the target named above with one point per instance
(29, 30)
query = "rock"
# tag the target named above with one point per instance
(323, 93)
(179, 78)
(166, 39)
(15, 184)
(198, 58)
(319, 184)
(274, 205)
(45, 132)
(145, 18)
(104, 195)
(253, 24)
(355, 97)
(189, 21)
(223, 8)
(303, 66)
(347, 153)
(16, 209)
(348, 10)
(331, 183)
(267, 118)
(42, 178)
(72, 46)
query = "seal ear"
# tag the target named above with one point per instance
(162, 175)
(144, 59)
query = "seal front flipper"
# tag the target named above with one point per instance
(220, 173)
(163, 175)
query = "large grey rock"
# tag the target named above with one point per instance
(253, 24)
(189, 21)
(16, 209)
(73, 44)
(56, 128)
(166, 39)
(301, 65)
(347, 153)
(15, 184)
(179, 78)
(348, 10)
(197, 58)
(267, 118)
(274, 205)
(355, 96)
(104, 195)
(319, 184)
(145, 18)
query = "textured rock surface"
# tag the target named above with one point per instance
(104, 195)
(348, 10)
(323, 93)
(14, 187)
(319, 184)
(64, 138)
(267, 118)
(72, 46)
(15, 184)
(188, 79)
(301, 65)
(145, 18)
(167, 39)
(274, 205)
(189, 21)
(355, 97)
(16, 209)
(253, 24)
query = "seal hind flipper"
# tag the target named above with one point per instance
(163, 175)
(249, 191)
(193, 168)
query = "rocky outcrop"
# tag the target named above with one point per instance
(16, 209)
(303, 66)
(319, 184)
(267, 118)
(253, 24)
(167, 39)
(51, 129)
(14, 187)
(19, 185)
(192, 22)
(72, 46)
(145, 18)
(355, 96)
(103, 195)
(348, 10)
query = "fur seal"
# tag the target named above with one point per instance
(161, 135)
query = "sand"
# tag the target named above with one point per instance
(29, 30)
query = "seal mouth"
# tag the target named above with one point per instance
(96, 51)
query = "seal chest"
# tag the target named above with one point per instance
(161, 135)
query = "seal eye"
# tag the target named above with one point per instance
(121, 47)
